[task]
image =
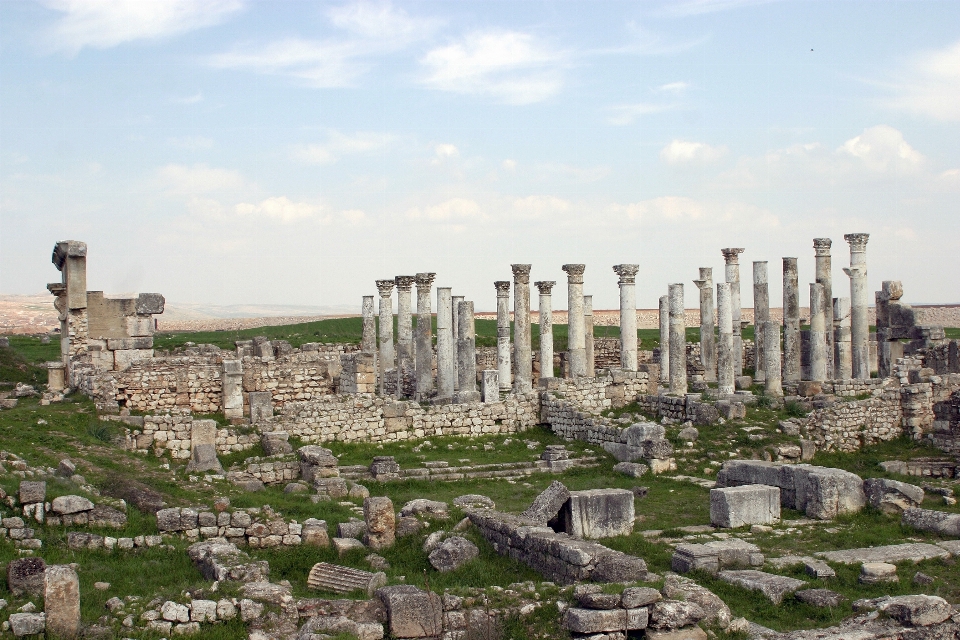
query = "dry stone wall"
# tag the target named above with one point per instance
(168, 434)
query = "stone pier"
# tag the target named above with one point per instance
(842, 358)
(628, 314)
(771, 358)
(791, 321)
(456, 339)
(405, 363)
(678, 341)
(818, 334)
(522, 350)
(368, 338)
(761, 313)
(231, 384)
(576, 339)
(824, 275)
(70, 259)
(664, 339)
(61, 595)
(446, 366)
(726, 373)
(466, 353)
(732, 272)
(859, 301)
(588, 335)
(503, 334)
(424, 346)
(546, 327)
(385, 287)
(708, 343)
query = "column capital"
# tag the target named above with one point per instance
(574, 272)
(822, 247)
(732, 254)
(425, 280)
(703, 284)
(857, 241)
(627, 273)
(503, 288)
(521, 273)
(545, 286)
(67, 249)
(405, 283)
(706, 273)
(385, 287)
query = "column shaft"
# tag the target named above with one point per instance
(678, 341)
(818, 335)
(467, 348)
(503, 334)
(791, 321)
(859, 303)
(576, 332)
(725, 369)
(824, 275)
(708, 343)
(387, 355)
(546, 327)
(522, 350)
(732, 272)
(771, 358)
(424, 355)
(405, 361)
(761, 313)
(368, 340)
(628, 315)
(664, 339)
(456, 339)
(842, 357)
(446, 368)
(588, 335)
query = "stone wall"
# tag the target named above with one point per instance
(168, 434)
(261, 527)
(610, 389)
(568, 421)
(279, 469)
(847, 426)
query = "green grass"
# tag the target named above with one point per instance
(23, 361)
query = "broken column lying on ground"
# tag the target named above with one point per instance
(771, 359)
(424, 346)
(726, 372)
(843, 365)
(446, 367)
(859, 300)
(576, 338)
(385, 287)
(405, 363)
(503, 333)
(708, 344)
(761, 313)
(791, 321)
(824, 276)
(732, 272)
(546, 327)
(678, 341)
(664, 339)
(466, 353)
(522, 353)
(588, 335)
(818, 334)
(628, 314)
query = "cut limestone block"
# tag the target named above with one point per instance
(892, 496)
(769, 584)
(547, 505)
(598, 513)
(744, 505)
(332, 577)
(599, 621)
(878, 573)
(947, 524)
(894, 553)
(413, 613)
(61, 601)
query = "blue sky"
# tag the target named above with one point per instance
(230, 151)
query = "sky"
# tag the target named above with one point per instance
(245, 152)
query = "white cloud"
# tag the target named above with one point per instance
(452, 210)
(672, 87)
(381, 21)
(444, 151)
(699, 7)
(881, 148)
(685, 152)
(510, 66)
(509, 165)
(625, 114)
(279, 208)
(102, 25)
(338, 145)
(682, 210)
(180, 179)
(540, 206)
(929, 85)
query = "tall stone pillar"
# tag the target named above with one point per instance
(424, 354)
(726, 374)
(61, 596)
(859, 302)
(456, 339)
(818, 334)
(771, 358)
(842, 360)
(231, 384)
(385, 287)
(628, 314)
(522, 350)
(588, 335)
(708, 343)
(576, 331)
(546, 327)
(503, 334)
(824, 275)
(368, 339)
(466, 353)
(405, 361)
(732, 272)
(791, 321)
(664, 339)
(761, 313)
(446, 367)
(678, 341)
(70, 259)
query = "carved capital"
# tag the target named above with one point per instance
(857, 241)
(425, 280)
(503, 288)
(521, 273)
(627, 273)
(405, 283)
(822, 247)
(732, 254)
(574, 272)
(545, 286)
(385, 287)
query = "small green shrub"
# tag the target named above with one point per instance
(794, 409)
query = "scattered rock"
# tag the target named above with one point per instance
(453, 553)
(878, 572)
(819, 597)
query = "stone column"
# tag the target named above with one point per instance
(404, 329)
(859, 301)
(664, 339)
(490, 391)
(446, 367)
(824, 275)
(842, 361)
(456, 338)
(231, 384)
(522, 351)
(732, 271)
(678, 341)
(424, 354)
(368, 339)
(771, 358)
(628, 314)
(503, 334)
(708, 343)
(70, 259)
(791, 321)
(385, 287)
(588, 335)
(761, 313)
(726, 373)
(466, 353)
(61, 597)
(546, 327)
(818, 334)
(576, 338)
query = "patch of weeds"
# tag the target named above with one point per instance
(764, 401)
(238, 457)
(794, 409)
(102, 431)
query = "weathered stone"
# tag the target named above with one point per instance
(422, 506)
(619, 567)
(947, 524)
(217, 559)
(453, 553)
(671, 614)
(380, 522)
(25, 576)
(632, 469)
(474, 501)
(633, 597)
(203, 447)
(346, 545)
(27, 624)
(149, 304)
(892, 496)
(918, 610)
(770, 585)
(744, 505)
(693, 557)
(408, 525)
(878, 572)
(598, 513)
(905, 552)
(276, 442)
(687, 633)
(32, 492)
(818, 569)
(413, 613)
(62, 505)
(314, 533)
(61, 601)
(594, 598)
(547, 505)
(716, 610)
(351, 529)
(598, 621)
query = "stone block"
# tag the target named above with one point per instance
(598, 513)
(124, 358)
(138, 326)
(820, 597)
(892, 496)
(261, 406)
(453, 553)
(691, 557)
(878, 573)
(32, 492)
(203, 447)
(345, 545)
(672, 614)
(615, 566)
(380, 519)
(686, 633)
(774, 587)
(412, 613)
(632, 469)
(547, 505)
(27, 624)
(118, 344)
(150, 304)
(61, 601)
(276, 442)
(894, 553)
(580, 620)
(490, 386)
(946, 524)
(917, 610)
(62, 505)
(733, 507)
(26, 576)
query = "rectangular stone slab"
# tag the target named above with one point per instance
(769, 584)
(600, 620)
(734, 507)
(598, 513)
(894, 553)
